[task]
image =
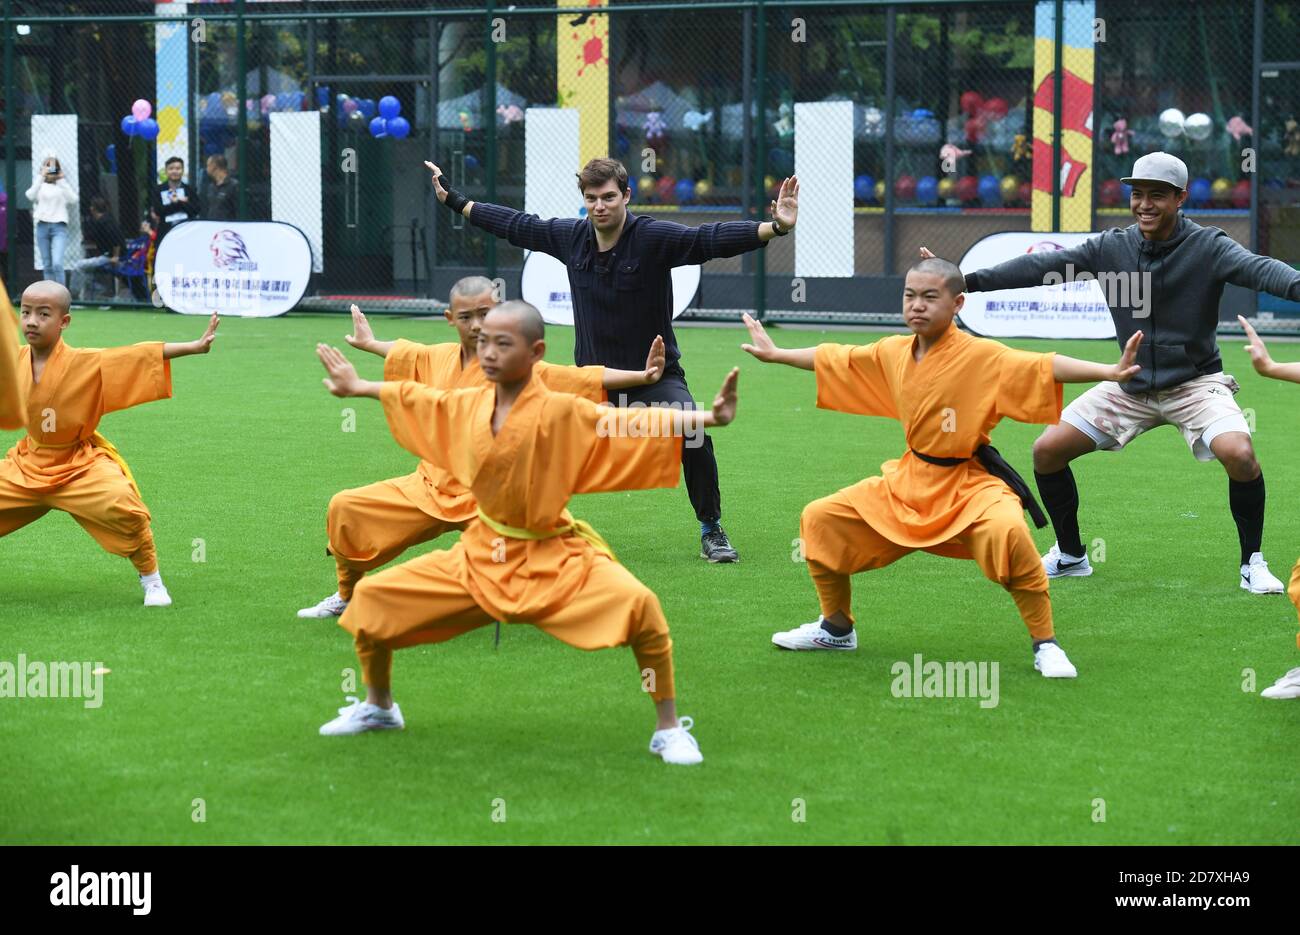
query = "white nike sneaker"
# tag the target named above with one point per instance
(1288, 686)
(361, 716)
(814, 636)
(332, 606)
(155, 595)
(676, 745)
(1050, 659)
(1257, 579)
(1059, 565)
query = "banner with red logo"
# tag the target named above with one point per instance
(250, 269)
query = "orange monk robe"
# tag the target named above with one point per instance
(63, 463)
(13, 400)
(552, 446)
(948, 403)
(370, 526)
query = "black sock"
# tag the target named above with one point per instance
(1061, 500)
(1246, 500)
(833, 630)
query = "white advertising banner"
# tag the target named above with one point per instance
(249, 269)
(1067, 310)
(823, 241)
(545, 285)
(296, 177)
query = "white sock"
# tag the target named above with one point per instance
(146, 580)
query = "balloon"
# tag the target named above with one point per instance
(128, 125)
(927, 190)
(147, 128)
(1221, 191)
(1171, 122)
(471, 162)
(770, 184)
(863, 185)
(378, 127)
(1111, 193)
(1198, 193)
(645, 185)
(996, 108)
(110, 152)
(389, 107)
(904, 188)
(968, 188)
(367, 107)
(703, 189)
(1026, 193)
(664, 187)
(322, 97)
(970, 102)
(356, 121)
(1010, 188)
(398, 127)
(350, 105)
(990, 190)
(1198, 126)
(1241, 194)
(974, 130)
(266, 103)
(946, 188)
(685, 191)
(880, 192)
(141, 109)
(623, 145)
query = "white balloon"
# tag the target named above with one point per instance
(1171, 122)
(1199, 126)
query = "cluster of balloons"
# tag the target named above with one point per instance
(980, 112)
(390, 121)
(990, 190)
(1196, 127)
(1200, 193)
(139, 122)
(668, 190)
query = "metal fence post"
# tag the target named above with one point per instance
(891, 64)
(11, 235)
(490, 128)
(1058, 86)
(760, 156)
(241, 111)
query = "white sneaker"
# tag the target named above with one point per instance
(1051, 660)
(155, 595)
(676, 745)
(1059, 565)
(1257, 579)
(814, 636)
(1288, 686)
(361, 716)
(332, 606)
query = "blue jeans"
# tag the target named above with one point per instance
(52, 238)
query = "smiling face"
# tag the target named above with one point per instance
(928, 305)
(606, 205)
(44, 314)
(510, 342)
(466, 315)
(1156, 205)
(174, 171)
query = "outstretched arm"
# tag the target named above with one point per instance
(201, 346)
(614, 379)
(553, 236)
(363, 339)
(765, 349)
(1072, 370)
(1264, 363)
(342, 379)
(1031, 269)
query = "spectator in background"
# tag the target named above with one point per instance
(222, 196)
(174, 202)
(50, 196)
(103, 242)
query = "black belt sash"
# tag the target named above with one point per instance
(998, 466)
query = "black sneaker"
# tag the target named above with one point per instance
(716, 547)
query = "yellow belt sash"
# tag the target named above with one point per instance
(103, 444)
(578, 527)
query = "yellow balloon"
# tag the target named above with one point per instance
(703, 188)
(1221, 190)
(880, 191)
(946, 187)
(645, 185)
(769, 183)
(1010, 187)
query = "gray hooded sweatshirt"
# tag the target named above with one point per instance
(1168, 289)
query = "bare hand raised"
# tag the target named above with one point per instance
(724, 404)
(1127, 368)
(439, 188)
(761, 346)
(342, 379)
(361, 335)
(926, 254)
(1259, 355)
(785, 207)
(656, 360)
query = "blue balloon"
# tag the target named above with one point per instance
(685, 191)
(990, 190)
(864, 188)
(623, 145)
(323, 96)
(399, 127)
(1198, 193)
(927, 189)
(147, 128)
(389, 107)
(129, 126)
(367, 107)
(1127, 191)
(471, 162)
(110, 152)
(378, 127)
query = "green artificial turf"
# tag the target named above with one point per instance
(219, 697)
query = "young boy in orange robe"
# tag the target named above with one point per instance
(1288, 686)
(63, 463)
(942, 496)
(370, 526)
(523, 451)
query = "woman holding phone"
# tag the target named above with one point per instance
(50, 196)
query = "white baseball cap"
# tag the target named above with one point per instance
(1159, 167)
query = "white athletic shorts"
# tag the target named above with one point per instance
(1202, 409)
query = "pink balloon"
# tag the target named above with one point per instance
(141, 109)
(268, 101)
(349, 106)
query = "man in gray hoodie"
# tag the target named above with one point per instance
(1163, 276)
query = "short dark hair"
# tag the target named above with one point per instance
(953, 279)
(599, 171)
(100, 204)
(174, 159)
(218, 160)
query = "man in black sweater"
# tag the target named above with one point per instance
(174, 201)
(620, 267)
(1163, 276)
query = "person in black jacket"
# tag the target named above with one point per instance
(620, 277)
(174, 201)
(222, 196)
